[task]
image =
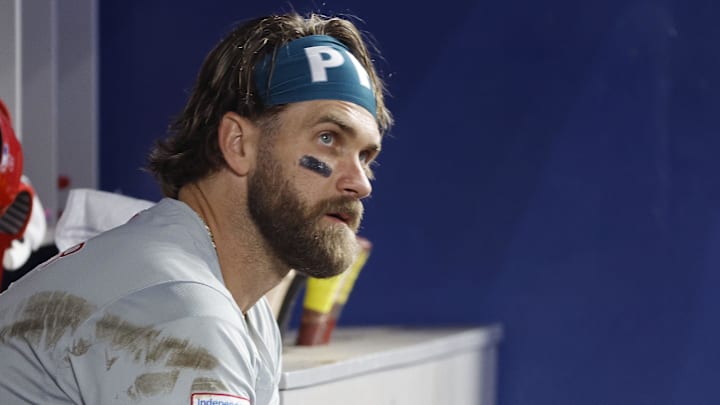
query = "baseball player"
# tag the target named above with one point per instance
(264, 171)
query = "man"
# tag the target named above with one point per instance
(264, 171)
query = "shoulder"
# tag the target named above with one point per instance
(177, 299)
(163, 244)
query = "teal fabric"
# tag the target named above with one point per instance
(312, 68)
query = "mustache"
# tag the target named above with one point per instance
(348, 208)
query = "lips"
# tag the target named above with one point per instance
(349, 218)
(342, 216)
(346, 210)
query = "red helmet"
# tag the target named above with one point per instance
(11, 160)
(15, 196)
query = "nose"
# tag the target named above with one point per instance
(353, 180)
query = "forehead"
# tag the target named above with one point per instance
(345, 115)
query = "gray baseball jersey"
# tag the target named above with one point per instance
(136, 315)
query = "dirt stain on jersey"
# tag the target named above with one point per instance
(47, 316)
(193, 357)
(147, 345)
(50, 314)
(150, 384)
(80, 347)
(109, 360)
(207, 384)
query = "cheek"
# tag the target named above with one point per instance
(309, 186)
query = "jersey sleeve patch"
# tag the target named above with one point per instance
(202, 398)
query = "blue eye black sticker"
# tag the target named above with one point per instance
(315, 165)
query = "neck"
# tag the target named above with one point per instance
(248, 266)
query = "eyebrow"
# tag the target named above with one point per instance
(346, 127)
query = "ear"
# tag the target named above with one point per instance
(238, 139)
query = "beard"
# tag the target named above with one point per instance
(293, 230)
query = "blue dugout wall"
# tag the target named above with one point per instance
(554, 168)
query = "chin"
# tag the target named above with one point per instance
(335, 259)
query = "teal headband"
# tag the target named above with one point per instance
(312, 68)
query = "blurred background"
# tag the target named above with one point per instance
(553, 169)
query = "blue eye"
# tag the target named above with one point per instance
(326, 138)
